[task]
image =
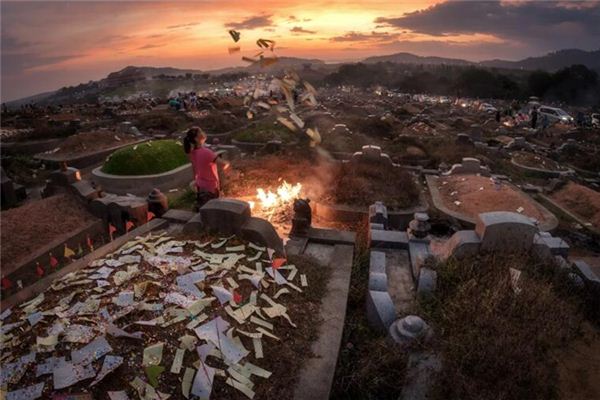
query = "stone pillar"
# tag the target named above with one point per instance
(419, 227)
(378, 214)
(409, 329)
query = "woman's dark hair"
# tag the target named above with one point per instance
(189, 141)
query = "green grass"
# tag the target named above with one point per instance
(185, 200)
(146, 158)
(262, 132)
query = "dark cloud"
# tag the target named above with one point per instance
(11, 44)
(14, 64)
(151, 46)
(292, 18)
(353, 36)
(188, 25)
(299, 29)
(257, 21)
(551, 23)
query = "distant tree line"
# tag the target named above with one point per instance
(576, 85)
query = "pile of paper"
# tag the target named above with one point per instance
(216, 303)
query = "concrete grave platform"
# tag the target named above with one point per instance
(316, 375)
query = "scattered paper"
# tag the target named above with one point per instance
(153, 354)
(110, 364)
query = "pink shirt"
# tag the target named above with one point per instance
(205, 169)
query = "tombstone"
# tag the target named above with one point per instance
(260, 231)
(158, 203)
(463, 139)
(378, 214)
(468, 165)
(302, 218)
(505, 231)
(273, 146)
(371, 155)
(419, 227)
(225, 216)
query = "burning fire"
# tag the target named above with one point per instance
(271, 201)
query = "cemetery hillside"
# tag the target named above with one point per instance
(300, 201)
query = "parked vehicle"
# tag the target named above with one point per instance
(555, 114)
(596, 120)
(487, 107)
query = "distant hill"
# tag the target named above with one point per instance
(133, 79)
(551, 61)
(408, 58)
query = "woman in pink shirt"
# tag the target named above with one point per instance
(204, 163)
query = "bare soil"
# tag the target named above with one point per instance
(579, 367)
(28, 228)
(362, 185)
(537, 161)
(467, 189)
(580, 200)
(92, 141)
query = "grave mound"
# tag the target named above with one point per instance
(198, 314)
(147, 158)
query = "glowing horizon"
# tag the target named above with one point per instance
(49, 45)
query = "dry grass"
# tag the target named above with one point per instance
(496, 344)
(362, 185)
(366, 367)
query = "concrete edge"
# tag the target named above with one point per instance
(316, 374)
(541, 172)
(549, 225)
(41, 285)
(568, 213)
(55, 247)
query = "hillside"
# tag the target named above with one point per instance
(551, 61)
(408, 58)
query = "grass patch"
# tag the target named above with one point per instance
(494, 343)
(146, 158)
(182, 201)
(263, 132)
(367, 368)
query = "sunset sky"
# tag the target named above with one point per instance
(46, 45)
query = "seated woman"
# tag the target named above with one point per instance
(204, 163)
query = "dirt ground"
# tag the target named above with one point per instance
(579, 368)
(580, 200)
(536, 161)
(478, 194)
(28, 228)
(91, 141)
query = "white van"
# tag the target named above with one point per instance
(554, 114)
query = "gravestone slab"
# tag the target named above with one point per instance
(462, 244)
(505, 231)
(225, 216)
(381, 312)
(427, 281)
(378, 282)
(260, 231)
(388, 239)
(377, 262)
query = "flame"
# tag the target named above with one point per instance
(284, 194)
